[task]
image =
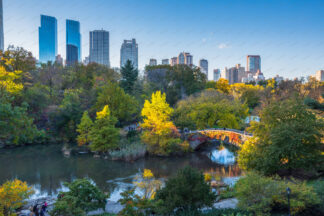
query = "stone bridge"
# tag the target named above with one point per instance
(230, 136)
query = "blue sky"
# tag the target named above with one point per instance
(288, 34)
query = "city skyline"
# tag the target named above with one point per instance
(290, 44)
(47, 39)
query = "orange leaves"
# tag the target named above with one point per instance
(228, 136)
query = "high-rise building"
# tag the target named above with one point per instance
(165, 61)
(153, 62)
(47, 36)
(217, 74)
(174, 61)
(185, 58)
(73, 42)
(203, 65)
(1, 27)
(240, 72)
(253, 64)
(99, 47)
(320, 75)
(59, 60)
(233, 74)
(129, 51)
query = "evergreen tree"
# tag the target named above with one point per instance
(129, 77)
(104, 135)
(84, 129)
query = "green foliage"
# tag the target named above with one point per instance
(134, 204)
(122, 106)
(287, 138)
(221, 85)
(262, 195)
(129, 77)
(38, 98)
(216, 212)
(84, 129)
(16, 128)
(319, 189)
(104, 135)
(186, 191)
(210, 109)
(314, 104)
(81, 198)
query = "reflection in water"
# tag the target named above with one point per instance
(223, 156)
(46, 168)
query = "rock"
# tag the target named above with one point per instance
(24, 213)
(217, 184)
(225, 204)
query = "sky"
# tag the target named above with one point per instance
(288, 34)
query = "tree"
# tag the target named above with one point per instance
(221, 85)
(187, 191)
(160, 134)
(13, 195)
(84, 129)
(209, 109)
(287, 138)
(251, 94)
(82, 197)
(103, 135)
(129, 77)
(10, 81)
(122, 106)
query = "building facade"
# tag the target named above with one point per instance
(174, 61)
(320, 75)
(129, 51)
(73, 42)
(47, 38)
(185, 58)
(99, 47)
(165, 61)
(217, 74)
(253, 64)
(1, 27)
(203, 65)
(59, 60)
(153, 62)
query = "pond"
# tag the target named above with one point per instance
(46, 168)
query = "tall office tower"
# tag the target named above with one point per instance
(99, 47)
(225, 74)
(174, 61)
(185, 58)
(1, 27)
(129, 51)
(253, 64)
(59, 60)
(165, 61)
(320, 75)
(203, 65)
(47, 38)
(153, 62)
(217, 74)
(73, 42)
(240, 72)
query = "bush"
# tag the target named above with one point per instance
(129, 152)
(81, 198)
(216, 212)
(262, 195)
(187, 191)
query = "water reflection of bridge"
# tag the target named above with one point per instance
(230, 136)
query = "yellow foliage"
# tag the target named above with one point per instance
(208, 177)
(10, 80)
(148, 184)
(104, 113)
(147, 174)
(12, 195)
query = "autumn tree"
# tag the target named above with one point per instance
(13, 195)
(251, 94)
(129, 76)
(104, 135)
(221, 85)
(287, 138)
(159, 134)
(10, 81)
(84, 129)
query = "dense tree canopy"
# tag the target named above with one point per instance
(129, 77)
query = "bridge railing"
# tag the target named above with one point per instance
(221, 129)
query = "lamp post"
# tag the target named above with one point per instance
(288, 196)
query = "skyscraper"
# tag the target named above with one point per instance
(73, 42)
(165, 61)
(320, 75)
(217, 74)
(153, 62)
(185, 58)
(203, 65)
(99, 47)
(174, 61)
(253, 64)
(47, 34)
(129, 51)
(1, 27)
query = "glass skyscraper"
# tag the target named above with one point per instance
(47, 39)
(73, 42)
(99, 47)
(1, 27)
(129, 51)
(253, 64)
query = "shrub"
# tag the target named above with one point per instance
(82, 197)
(262, 195)
(129, 152)
(186, 191)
